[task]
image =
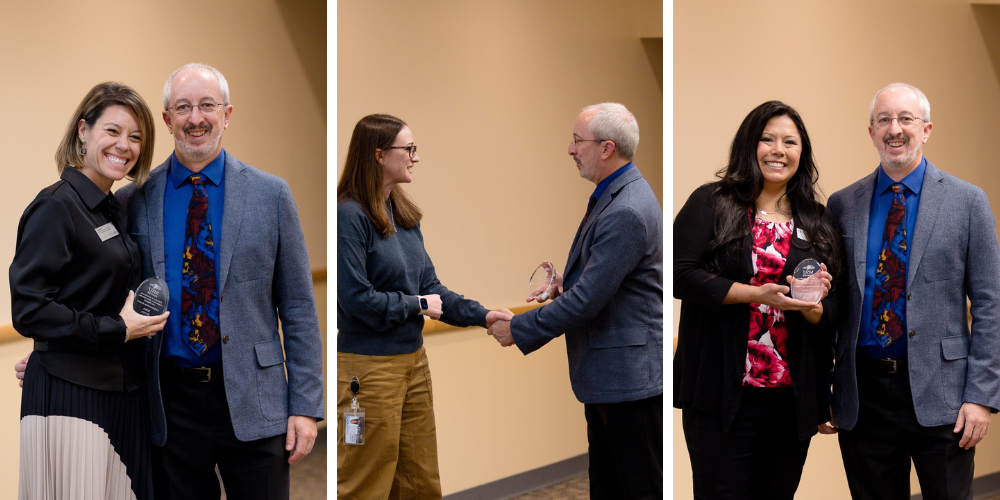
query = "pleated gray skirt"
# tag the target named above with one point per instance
(82, 443)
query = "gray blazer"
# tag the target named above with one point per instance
(611, 309)
(954, 256)
(264, 276)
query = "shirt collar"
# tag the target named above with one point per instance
(603, 185)
(212, 172)
(913, 181)
(84, 187)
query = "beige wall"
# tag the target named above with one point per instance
(52, 52)
(491, 90)
(10, 414)
(827, 59)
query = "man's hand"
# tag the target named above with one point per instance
(494, 316)
(301, 436)
(542, 294)
(829, 427)
(975, 419)
(19, 369)
(501, 331)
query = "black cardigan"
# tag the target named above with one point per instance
(712, 337)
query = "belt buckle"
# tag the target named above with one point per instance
(892, 362)
(203, 370)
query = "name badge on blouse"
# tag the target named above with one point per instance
(107, 231)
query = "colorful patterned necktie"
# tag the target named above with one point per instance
(889, 301)
(199, 301)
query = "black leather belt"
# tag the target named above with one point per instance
(888, 366)
(199, 374)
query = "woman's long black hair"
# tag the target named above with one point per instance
(741, 182)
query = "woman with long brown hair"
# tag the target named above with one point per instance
(385, 284)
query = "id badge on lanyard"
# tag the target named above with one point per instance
(354, 419)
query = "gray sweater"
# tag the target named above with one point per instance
(378, 281)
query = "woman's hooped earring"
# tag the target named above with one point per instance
(83, 149)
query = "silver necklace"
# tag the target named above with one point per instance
(777, 210)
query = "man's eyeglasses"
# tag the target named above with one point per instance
(206, 107)
(410, 150)
(904, 121)
(576, 142)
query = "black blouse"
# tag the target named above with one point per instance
(69, 280)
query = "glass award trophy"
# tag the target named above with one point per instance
(807, 285)
(542, 280)
(151, 297)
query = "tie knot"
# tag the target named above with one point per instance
(897, 188)
(196, 180)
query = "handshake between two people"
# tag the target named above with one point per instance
(545, 284)
(431, 306)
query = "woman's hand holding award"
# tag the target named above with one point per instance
(151, 297)
(807, 283)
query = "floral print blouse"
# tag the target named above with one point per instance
(766, 364)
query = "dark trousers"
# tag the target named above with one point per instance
(200, 436)
(877, 452)
(626, 449)
(761, 457)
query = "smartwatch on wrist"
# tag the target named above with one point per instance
(423, 304)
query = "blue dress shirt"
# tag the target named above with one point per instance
(603, 185)
(881, 201)
(175, 207)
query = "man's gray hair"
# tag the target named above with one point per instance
(614, 122)
(925, 105)
(223, 84)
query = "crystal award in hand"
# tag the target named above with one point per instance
(151, 297)
(542, 281)
(807, 285)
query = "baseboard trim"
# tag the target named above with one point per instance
(524, 482)
(982, 487)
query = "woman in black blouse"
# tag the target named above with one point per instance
(752, 364)
(84, 409)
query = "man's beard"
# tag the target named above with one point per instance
(202, 151)
(898, 163)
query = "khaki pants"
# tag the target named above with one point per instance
(399, 457)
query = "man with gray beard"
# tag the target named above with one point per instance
(911, 381)
(226, 238)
